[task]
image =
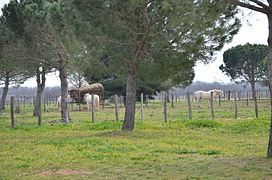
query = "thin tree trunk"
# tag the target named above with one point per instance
(269, 149)
(254, 96)
(64, 94)
(40, 79)
(130, 99)
(5, 91)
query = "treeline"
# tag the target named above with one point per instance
(198, 85)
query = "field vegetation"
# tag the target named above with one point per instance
(201, 148)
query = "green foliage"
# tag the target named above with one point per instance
(246, 62)
(172, 42)
(118, 86)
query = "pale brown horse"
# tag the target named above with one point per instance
(78, 94)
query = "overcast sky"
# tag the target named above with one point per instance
(254, 30)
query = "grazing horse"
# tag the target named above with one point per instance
(217, 93)
(78, 94)
(69, 100)
(89, 100)
(198, 95)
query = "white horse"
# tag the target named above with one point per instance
(198, 95)
(69, 100)
(88, 99)
(217, 93)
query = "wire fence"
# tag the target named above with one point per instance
(164, 107)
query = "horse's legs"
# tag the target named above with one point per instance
(198, 106)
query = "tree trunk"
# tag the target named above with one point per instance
(269, 149)
(5, 91)
(130, 99)
(254, 96)
(40, 79)
(64, 94)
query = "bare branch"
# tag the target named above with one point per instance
(250, 6)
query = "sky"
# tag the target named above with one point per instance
(254, 30)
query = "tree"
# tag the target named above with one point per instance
(264, 8)
(139, 33)
(32, 22)
(12, 71)
(246, 62)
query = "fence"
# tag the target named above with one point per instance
(162, 107)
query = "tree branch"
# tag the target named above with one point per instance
(249, 6)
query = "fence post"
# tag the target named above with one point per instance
(142, 106)
(12, 111)
(236, 105)
(92, 108)
(17, 106)
(219, 100)
(229, 95)
(212, 112)
(247, 99)
(172, 100)
(44, 104)
(116, 107)
(189, 105)
(165, 107)
(146, 100)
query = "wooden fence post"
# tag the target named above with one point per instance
(146, 100)
(189, 105)
(116, 107)
(247, 99)
(172, 100)
(12, 111)
(17, 106)
(236, 105)
(142, 106)
(211, 101)
(219, 100)
(229, 95)
(165, 107)
(44, 104)
(92, 108)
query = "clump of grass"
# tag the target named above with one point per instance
(202, 124)
(249, 126)
(202, 152)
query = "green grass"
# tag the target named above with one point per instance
(201, 148)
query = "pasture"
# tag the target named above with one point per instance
(201, 148)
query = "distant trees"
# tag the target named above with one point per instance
(264, 7)
(246, 62)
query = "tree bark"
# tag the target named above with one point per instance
(64, 94)
(130, 99)
(40, 79)
(254, 96)
(5, 91)
(269, 149)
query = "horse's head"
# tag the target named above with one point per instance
(222, 94)
(74, 94)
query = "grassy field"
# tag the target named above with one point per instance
(201, 148)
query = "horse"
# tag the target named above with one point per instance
(89, 101)
(198, 95)
(78, 93)
(217, 93)
(69, 100)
